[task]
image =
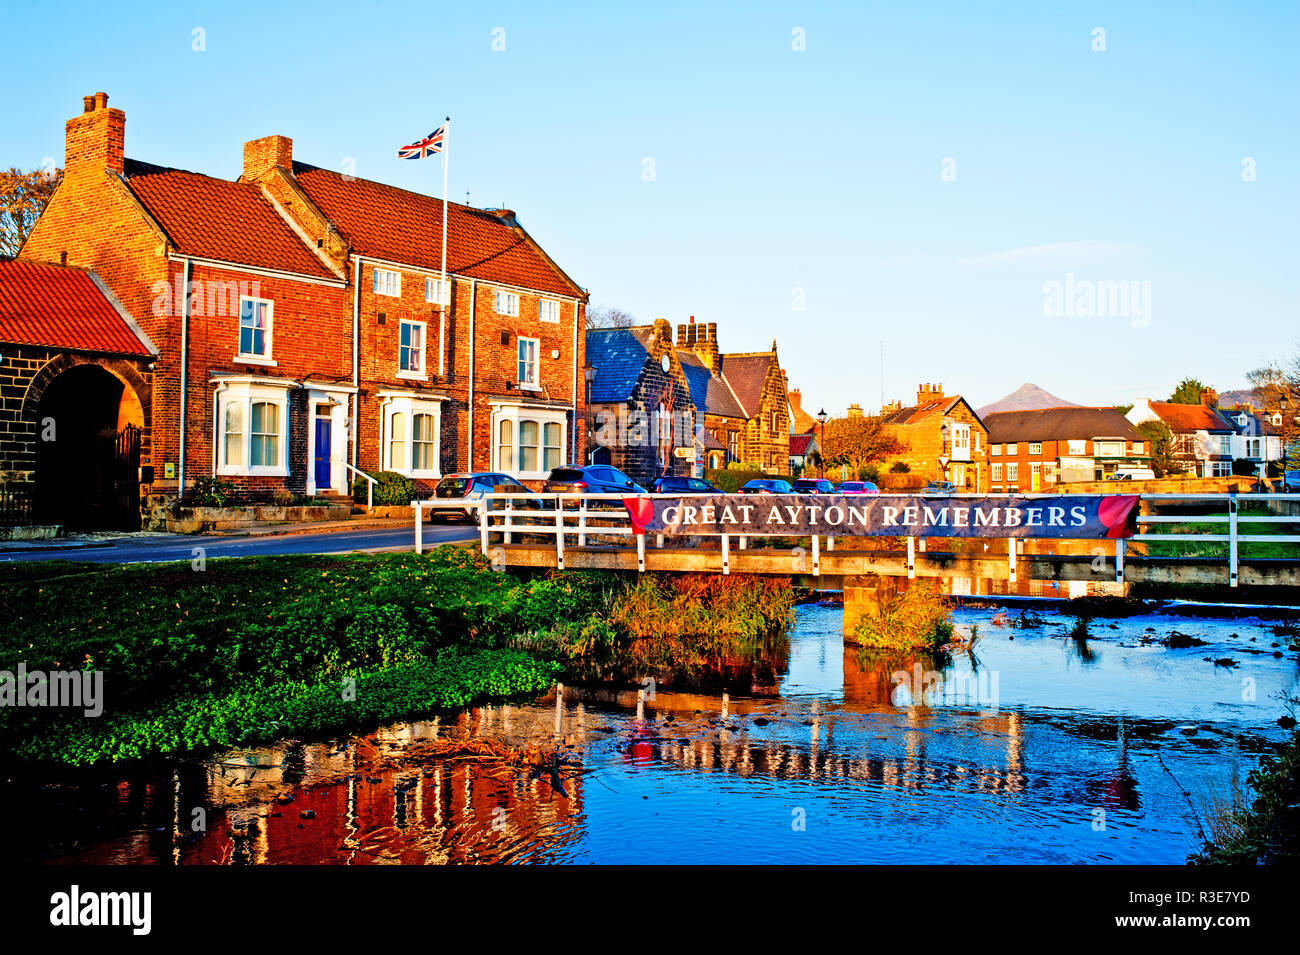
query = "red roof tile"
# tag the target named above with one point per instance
(385, 222)
(61, 307)
(218, 219)
(746, 373)
(1184, 418)
(799, 444)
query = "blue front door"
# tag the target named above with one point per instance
(323, 431)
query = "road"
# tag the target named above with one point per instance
(182, 546)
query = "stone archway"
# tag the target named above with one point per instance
(89, 417)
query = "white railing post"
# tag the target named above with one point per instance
(1120, 546)
(726, 554)
(559, 532)
(640, 553)
(1232, 540)
(506, 536)
(921, 544)
(419, 527)
(1011, 560)
(911, 557)
(830, 542)
(817, 555)
(582, 521)
(483, 504)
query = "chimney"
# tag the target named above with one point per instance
(663, 331)
(1209, 398)
(928, 392)
(855, 411)
(795, 398)
(96, 138)
(263, 155)
(681, 334)
(705, 344)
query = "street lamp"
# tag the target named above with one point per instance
(821, 452)
(1282, 403)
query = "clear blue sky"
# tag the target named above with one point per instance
(778, 170)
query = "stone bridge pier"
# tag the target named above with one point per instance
(864, 595)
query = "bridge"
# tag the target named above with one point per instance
(599, 532)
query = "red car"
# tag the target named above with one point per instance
(858, 487)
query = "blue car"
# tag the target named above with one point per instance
(766, 486)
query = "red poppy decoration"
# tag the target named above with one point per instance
(641, 510)
(1118, 514)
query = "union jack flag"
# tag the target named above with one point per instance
(425, 147)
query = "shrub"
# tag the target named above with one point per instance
(391, 489)
(899, 467)
(919, 618)
(895, 481)
(209, 492)
(869, 472)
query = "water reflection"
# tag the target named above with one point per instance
(889, 759)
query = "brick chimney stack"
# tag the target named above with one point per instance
(95, 139)
(263, 155)
(1209, 398)
(928, 392)
(706, 345)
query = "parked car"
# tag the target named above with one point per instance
(590, 479)
(940, 487)
(673, 484)
(1291, 483)
(461, 495)
(766, 486)
(1133, 474)
(813, 486)
(858, 487)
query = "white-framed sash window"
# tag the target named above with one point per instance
(412, 439)
(252, 423)
(529, 348)
(388, 282)
(410, 349)
(437, 291)
(548, 310)
(506, 303)
(255, 331)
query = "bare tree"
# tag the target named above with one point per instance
(608, 316)
(23, 196)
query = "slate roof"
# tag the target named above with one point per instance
(1255, 425)
(63, 307)
(219, 219)
(915, 413)
(618, 355)
(385, 222)
(1059, 424)
(1187, 418)
(745, 373)
(709, 392)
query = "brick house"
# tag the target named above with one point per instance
(302, 327)
(759, 384)
(75, 372)
(717, 407)
(801, 422)
(1038, 449)
(1202, 437)
(945, 439)
(643, 418)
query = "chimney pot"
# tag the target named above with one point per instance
(101, 100)
(96, 137)
(87, 104)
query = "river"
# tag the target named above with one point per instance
(1032, 748)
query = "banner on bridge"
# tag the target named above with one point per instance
(1074, 516)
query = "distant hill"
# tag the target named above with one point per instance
(1237, 397)
(1026, 398)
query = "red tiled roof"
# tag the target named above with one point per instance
(218, 219)
(385, 222)
(1183, 418)
(61, 307)
(799, 444)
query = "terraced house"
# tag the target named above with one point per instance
(303, 328)
(1036, 450)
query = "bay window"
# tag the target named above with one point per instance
(412, 427)
(529, 442)
(252, 429)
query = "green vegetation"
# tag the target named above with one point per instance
(249, 650)
(1219, 549)
(1268, 829)
(916, 619)
(209, 492)
(391, 489)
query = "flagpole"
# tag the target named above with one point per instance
(446, 289)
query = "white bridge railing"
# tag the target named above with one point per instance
(578, 518)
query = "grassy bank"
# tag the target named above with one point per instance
(1267, 830)
(249, 650)
(1219, 549)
